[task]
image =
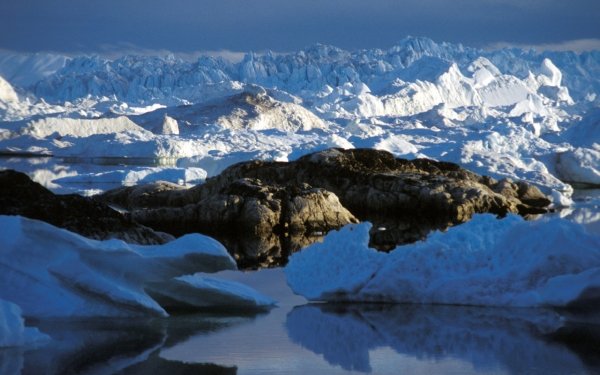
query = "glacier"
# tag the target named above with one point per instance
(487, 262)
(504, 113)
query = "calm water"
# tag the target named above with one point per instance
(301, 338)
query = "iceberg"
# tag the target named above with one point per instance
(491, 262)
(581, 165)
(13, 331)
(50, 272)
(502, 113)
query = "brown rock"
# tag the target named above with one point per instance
(323, 191)
(19, 195)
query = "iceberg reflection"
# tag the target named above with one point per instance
(116, 346)
(490, 339)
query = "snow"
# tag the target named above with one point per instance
(56, 273)
(135, 176)
(580, 165)
(201, 291)
(503, 113)
(508, 262)
(12, 328)
(169, 126)
(7, 93)
(78, 128)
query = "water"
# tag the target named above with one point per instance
(301, 338)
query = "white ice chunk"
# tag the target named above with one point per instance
(61, 127)
(508, 262)
(7, 93)
(169, 126)
(51, 272)
(580, 165)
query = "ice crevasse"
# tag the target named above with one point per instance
(491, 262)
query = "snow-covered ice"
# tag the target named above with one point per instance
(52, 272)
(504, 113)
(580, 165)
(508, 262)
(12, 328)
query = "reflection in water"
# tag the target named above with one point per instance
(387, 233)
(109, 346)
(252, 251)
(11, 361)
(157, 365)
(514, 340)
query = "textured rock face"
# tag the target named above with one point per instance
(269, 214)
(371, 182)
(21, 196)
(285, 204)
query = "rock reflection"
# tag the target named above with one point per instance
(252, 251)
(113, 346)
(514, 340)
(389, 232)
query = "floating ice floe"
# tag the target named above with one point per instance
(508, 262)
(51, 272)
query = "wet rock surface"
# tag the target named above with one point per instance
(19, 195)
(280, 207)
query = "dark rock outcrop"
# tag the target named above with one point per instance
(264, 214)
(324, 190)
(19, 195)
